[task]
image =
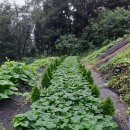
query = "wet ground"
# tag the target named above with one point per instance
(120, 114)
(9, 108)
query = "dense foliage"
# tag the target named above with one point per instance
(66, 104)
(15, 31)
(33, 29)
(13, 77)
(17, 76)
(108, 25)
(43, 62)
(47, 75)
(68, 44)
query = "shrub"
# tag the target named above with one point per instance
(57, 62)
(35, 93)
(83, 70)
(84, 73)
(51, 66)
(95, 91)
(80, 66)
(49, 72)
(108, 107)
(45, 79)
(66, 45)
(47, 75)
(89, 77)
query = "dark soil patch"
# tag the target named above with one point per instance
(9, 108)
(120, 114)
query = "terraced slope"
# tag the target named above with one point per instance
(96, 55)
(105, 58)
(116, 47)
(113, 51)
(113, 66)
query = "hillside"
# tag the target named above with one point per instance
(110, 70)
(113, 62)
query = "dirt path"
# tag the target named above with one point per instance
(120, 114)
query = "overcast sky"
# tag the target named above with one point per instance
(20, 2)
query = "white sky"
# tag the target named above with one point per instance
(20, 2)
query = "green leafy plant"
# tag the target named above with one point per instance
(95, 91)
(13, 77)
(128, 112)
(45, 79)
(35, 93)
(108, 107)
(67, 104)
(89, 77)
(19, 122)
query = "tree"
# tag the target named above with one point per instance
(6, 46)
(15, 31)
(52, 22)
(109, 25)
(21, 30)
(68, 44)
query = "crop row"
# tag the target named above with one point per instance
(16, 77)
(69, 103)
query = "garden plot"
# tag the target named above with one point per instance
(70, 102)
(16, 82)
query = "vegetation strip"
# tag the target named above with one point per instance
(15, 77)
(67, 104)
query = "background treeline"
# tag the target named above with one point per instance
(53, 27)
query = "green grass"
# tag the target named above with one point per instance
(41, 63)
(121, 58)
(91, 58)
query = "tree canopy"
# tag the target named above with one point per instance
(34, 28)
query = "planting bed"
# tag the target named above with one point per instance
(69, 103)
(16, 82)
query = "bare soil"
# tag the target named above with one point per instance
(9, 108)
